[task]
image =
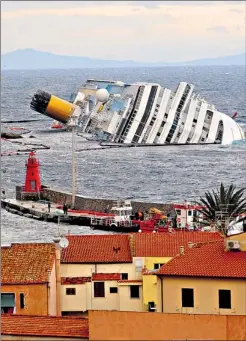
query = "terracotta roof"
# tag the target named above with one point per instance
(130, 281)
(48, 326)
(168, 244)
(97, 249)
(207, 260)
(27, 263)
(106, 277)
(75, 280)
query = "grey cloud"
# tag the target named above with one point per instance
(156, 4)
(24, 5)
(221, 29)
(237, 10)
(234, 2)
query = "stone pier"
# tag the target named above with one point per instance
(97, 204)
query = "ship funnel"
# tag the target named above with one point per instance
(52, 106)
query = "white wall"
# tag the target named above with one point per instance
(126, 302)
(80, 301)
(110, 301)
(86, 270)
(52, 293)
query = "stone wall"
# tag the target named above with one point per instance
(21, 195)
(97, 204)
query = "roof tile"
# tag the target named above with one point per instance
(106, 277)
(48, 326)
(207, 260)
(130, 281)
(97, 249)
(27, 263)
(74, 280)
(168, 244)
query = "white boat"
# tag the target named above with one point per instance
(142, 113)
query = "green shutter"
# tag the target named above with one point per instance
(7, 300)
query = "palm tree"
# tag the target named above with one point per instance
(222, 204)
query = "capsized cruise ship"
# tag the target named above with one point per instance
(141, 113)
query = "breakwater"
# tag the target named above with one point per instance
(97, 204)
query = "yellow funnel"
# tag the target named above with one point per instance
(52, 106)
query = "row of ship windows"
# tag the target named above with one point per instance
(179, 109)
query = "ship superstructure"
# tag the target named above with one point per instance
(146, 113)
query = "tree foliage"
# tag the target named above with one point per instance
(229, 200)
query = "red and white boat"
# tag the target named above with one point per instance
(123, 220)
(57, 125)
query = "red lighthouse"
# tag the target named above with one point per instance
(32, 184)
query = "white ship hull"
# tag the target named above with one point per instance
(140, 113)
(147, 113)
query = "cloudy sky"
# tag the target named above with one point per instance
(137, 30)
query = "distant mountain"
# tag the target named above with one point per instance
(238, 59)
(33, 59)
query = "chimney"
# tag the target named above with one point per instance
(132, 244)
(58, 276)
(190, 245)
(182, 250)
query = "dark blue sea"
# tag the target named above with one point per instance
(158, 174)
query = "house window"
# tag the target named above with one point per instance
(189, 213)
(7, 303)
(99, 290)
(124, 276)
(113, 290)
(178, 212)
(134, 291)
(225, 299)
(187, 298)
(22, 301)
(70, 291)
(158, 266)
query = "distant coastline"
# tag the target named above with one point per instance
(30, 59)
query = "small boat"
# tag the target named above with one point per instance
(57, 125)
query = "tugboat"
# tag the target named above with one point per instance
(120, 221)
(123, 220)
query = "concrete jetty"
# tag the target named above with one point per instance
(39, 210)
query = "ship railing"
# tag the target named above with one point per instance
(109, 222)
(125, 223)
(103, 221)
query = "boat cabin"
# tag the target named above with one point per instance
(187, 215)
(122, 209)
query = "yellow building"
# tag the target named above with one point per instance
(208, 278)
(114, 272)
(156, 249)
